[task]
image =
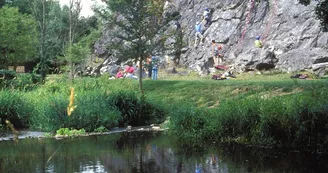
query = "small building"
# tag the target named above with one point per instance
(19, 69)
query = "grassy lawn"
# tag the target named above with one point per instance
(201, 91)
(205, 92)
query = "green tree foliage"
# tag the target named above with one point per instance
(40, 13)
(137, 28)
(76, 54)
(18, 35)
(22, 5)
(321, 12)
(2, 3)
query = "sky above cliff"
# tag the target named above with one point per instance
(86, 6)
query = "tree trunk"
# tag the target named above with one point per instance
(43, 38)
(140, 75)
(70, 37)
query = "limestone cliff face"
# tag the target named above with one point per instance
(291, 36)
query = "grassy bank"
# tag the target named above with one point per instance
(264, 110)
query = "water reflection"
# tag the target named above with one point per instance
(145, 152)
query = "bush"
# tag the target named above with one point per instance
(68, 132)
(189, 123)
(21, 81)
(7, 74)
(299, 121)
(93, 111)
(13, 108)
(95, 105)
(101, 129)
(49, 111)
(136, 111)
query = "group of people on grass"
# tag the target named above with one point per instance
(127, 72)
(130, 71)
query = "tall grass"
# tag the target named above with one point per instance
(298, 121)
(269, 111)
(14, 108)
(100, 103)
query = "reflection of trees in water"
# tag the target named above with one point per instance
(147, 153)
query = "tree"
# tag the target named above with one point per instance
(18, 36)
(137, 28)
(41, 16)
(22, 5)
(74, 10)
(76, 54)
(2, 3)
(321, 11)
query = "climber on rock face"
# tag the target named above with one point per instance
(206, 17)
(258, 42)
(198, 28)
(178, 26)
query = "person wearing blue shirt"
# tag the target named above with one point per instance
(155, 68)
(198, 34)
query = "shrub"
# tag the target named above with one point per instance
(101, 129)
(92, 111)
(7, 74)
(68, 132)
(21, 81)
(188, 122)
(49, 111)
(13, 108)
(298, 121)
(136, 111)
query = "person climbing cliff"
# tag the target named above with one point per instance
(178, 26)
(198, 28)
(258, 42)
(207, 17)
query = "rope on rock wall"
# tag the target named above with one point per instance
(269, 26)
(248, 18)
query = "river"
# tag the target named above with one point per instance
(147, 152)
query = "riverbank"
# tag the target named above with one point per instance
(264, 110)
(24, 134)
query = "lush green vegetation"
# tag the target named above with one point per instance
(264, 110)
(46, 35)
(70, 132)
(99, 104)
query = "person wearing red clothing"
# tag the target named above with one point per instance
(119, 74)
(129, 70)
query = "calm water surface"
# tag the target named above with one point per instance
(146, 152)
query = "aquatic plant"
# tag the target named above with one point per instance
(70, 132)
(101, 129)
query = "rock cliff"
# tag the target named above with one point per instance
(291, 36)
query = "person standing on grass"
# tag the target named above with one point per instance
(216, 53)
(155, 67)
(149, 66)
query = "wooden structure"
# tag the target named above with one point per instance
(19, 69)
